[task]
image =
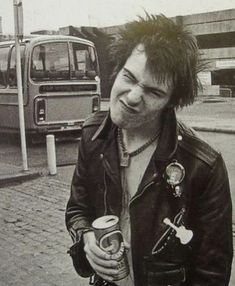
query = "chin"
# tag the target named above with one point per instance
(117, 120)
(122, 120)
(124, 123)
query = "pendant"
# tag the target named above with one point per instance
(178, 191)
(124, 160)
(184, 234)
(175, 173)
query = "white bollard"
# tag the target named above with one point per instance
(51, 155)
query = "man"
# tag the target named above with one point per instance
(169, 189)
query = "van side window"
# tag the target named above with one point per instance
(12, 79)
(4, 51)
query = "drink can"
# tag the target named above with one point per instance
(109, 237)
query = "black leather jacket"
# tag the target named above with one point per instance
(203, 206)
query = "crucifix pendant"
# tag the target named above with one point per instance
(125, 160)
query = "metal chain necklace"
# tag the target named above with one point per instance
(125, 155)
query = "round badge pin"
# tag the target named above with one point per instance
(175, 173)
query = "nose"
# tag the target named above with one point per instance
(134, 96)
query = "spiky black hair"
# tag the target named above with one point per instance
(171, 51)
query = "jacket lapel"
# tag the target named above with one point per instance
(164, 152)
(112, 174)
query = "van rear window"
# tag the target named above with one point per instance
(50, 62)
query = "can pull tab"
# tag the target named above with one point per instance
(184, 234)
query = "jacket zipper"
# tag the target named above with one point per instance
(106, 167)
(105, 195)
(143, 190)
(106, 164)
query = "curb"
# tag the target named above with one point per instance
(18, 178)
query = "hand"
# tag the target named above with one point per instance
(99, 260)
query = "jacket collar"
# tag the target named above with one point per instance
(168, 140)
(104, 128)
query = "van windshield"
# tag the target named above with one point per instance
(51, 62)
(3, 66)
(8, 76)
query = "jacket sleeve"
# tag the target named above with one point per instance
(79, 213)
(213, 231)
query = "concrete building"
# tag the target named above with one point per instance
(215, 33)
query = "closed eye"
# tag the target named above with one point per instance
(127, 74)
(155, 91)
(151, 90)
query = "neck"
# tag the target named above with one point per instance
(135, 137)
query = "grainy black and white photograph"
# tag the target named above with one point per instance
(117, 139)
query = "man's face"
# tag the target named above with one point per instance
(137, 97)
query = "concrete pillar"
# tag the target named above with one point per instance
(51, 154)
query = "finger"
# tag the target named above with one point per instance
(102, 262)
(94, 250)
(103, 270)
(126, 244)
(97, 251)
(106, 277)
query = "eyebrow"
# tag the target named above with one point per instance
(149, 88)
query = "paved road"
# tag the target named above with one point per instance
(33, 238)
(10, 152)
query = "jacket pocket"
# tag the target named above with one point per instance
(163, 273)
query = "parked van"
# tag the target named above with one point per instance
(61, 84)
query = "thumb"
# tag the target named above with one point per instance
(126, 244)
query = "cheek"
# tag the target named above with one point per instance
(114, 92)
(156, 106)
(119, 87)
(164, 102)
